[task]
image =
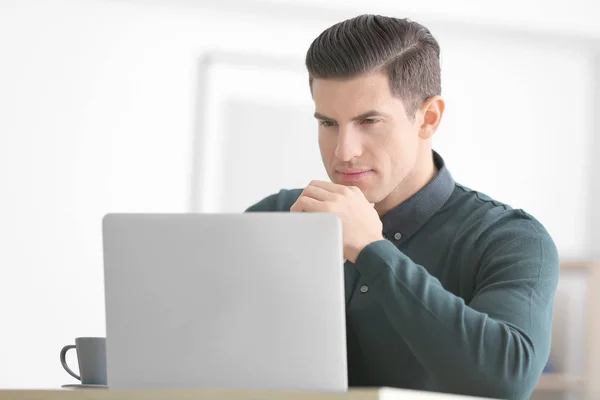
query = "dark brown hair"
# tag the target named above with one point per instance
(404, 49)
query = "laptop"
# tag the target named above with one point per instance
(250, 301)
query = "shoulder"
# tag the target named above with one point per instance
(280, 201)
(498, 230)
(485, 214)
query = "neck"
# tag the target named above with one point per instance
(422, 173)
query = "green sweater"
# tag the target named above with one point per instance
(461, 301)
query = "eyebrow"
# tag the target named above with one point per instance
(368, 114)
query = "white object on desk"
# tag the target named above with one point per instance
(352, 394)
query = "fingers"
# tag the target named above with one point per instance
(334, 187)
(329, 186)
(321, 196)
(307, 204)
(318, 193)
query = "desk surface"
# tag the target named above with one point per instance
(103, 394)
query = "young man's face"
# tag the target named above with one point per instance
(365, 136)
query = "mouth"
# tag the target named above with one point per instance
(353, 175)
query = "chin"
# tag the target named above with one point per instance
(367, 189)
(374, 195)
(369, 194)
(372, 198)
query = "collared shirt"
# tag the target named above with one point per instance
(401, 222)
(457, 298)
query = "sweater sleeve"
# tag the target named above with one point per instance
(496, 345)
(281, 201)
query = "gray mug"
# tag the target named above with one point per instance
(91, 357)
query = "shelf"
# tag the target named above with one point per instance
(559, 382)
(579, 264)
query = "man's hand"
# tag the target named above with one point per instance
(360, 222)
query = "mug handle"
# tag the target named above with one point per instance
(63, 361)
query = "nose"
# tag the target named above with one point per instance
(349, 145)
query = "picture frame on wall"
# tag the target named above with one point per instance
(254, 131)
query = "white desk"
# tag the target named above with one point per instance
(103, 394)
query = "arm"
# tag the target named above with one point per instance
(498, 344)
(280, 201)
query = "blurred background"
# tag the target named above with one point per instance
(195, 105)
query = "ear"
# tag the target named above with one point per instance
(432, 111)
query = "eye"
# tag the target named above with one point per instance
(324, 122)
(369, 121)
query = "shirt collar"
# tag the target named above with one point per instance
(408, 217)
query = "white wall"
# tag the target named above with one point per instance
(97, 115)
(549, 17)
(99, 99)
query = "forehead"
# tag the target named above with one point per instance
(353, 96)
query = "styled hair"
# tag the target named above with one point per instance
(404, 49)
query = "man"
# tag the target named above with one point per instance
(447, 289)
